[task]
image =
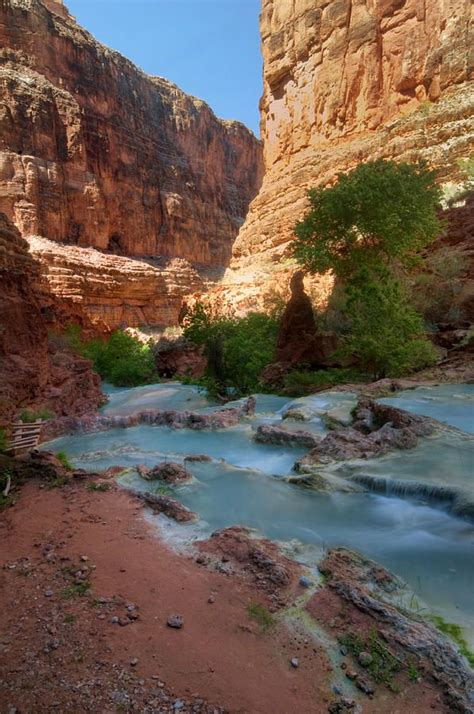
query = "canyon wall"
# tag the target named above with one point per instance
(95, 153)
(346, 81)
(34, 372)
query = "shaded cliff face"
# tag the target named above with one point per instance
(346, 81)
(93, 152)
(32, 371)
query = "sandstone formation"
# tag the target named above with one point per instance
(116, 290)
(346, 81)
(95, 153)
(33, 372)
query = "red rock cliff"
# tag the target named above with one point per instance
(94, 152)
(345, 81)
(33, 372)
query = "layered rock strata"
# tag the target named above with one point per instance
(116, 290)
(96, 153)
(344, 82)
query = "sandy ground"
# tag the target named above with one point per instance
(63, 651)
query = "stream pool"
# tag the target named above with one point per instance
(244, 483)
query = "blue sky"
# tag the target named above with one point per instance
(210, 48)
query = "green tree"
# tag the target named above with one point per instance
(122, 359)
(237, 349)
(369, 228)
(378, 213)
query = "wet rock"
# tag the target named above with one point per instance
(221, 419)
(168, 471)
(362, 583)
(364, 685)
(270, 434)
(175, 621)
(169, 506)
(259, 559)
(198, 457)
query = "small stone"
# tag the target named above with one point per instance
(130, 607)
(343, 650)
(295, 662)
(134, 662)
(179, 704)
(114, 620)
(123, 621)
(365, 658)
(350, 674)
(84, 558)
(337, 690)
(364, 685)
(48, 593)
(175, 621)
(211, 599)
(305, 582)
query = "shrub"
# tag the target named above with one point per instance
(121, 360)
(62, 457)
(3, 441)
(28, 416)
(387, 335)
(237, 349)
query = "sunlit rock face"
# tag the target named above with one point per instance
(94, 152)
(346, 81)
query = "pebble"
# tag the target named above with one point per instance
(114, 620)
(134, 662)
(295, 662)
(337, 690)
(48, 593)
(365, 658)
(305, 582)
(211, 599)
(176, 621)
(84, 558)
(343, 650)
(179, 704)
(123, 621)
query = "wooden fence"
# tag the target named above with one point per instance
(24, 436)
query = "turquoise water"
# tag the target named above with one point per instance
(419, 540)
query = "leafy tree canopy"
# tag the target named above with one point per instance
(378, 213)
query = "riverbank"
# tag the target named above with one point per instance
(107, 647)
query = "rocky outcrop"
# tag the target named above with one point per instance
(347, 81)
(34, 372)
(116, 290)
(179, 357)
(222, 419)
(272, 434)
(299, 343)
(167, 471)
(369, 592)
(168, 506)
(377, 429)
(96, 153)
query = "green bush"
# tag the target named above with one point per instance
(237, 349)
(121, 360)
(387, 335)
(62, 457)
(28, 416)
(3, 441)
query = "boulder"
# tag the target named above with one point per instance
(167, 471)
